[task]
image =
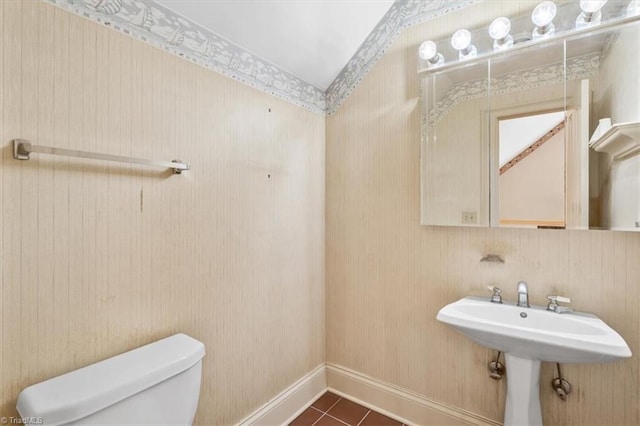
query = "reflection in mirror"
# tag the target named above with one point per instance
(535, 187)
(532, 170)
(565, 173)
(614, 180)
(455, 182)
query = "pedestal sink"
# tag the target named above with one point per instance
(529, 336)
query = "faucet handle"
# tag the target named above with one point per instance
(560, 299)
(553, 304)
(496, 297)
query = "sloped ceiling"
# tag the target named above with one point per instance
(312, 53)
(311, 39)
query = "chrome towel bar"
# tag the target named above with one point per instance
(22, 148)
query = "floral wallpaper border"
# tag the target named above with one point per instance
(403, 14)
(154, 24)
(577, 68)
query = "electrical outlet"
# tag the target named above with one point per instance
(469, 218)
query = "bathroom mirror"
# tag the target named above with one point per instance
(509, 138)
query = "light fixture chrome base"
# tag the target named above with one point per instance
(470, 52)
(437, 60)
(503, 44)
(585, 19)
(543, 32)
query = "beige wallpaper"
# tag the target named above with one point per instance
(98, 258)
(387, 276)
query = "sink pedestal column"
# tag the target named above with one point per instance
(523, 392)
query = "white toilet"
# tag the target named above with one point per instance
(156, 384)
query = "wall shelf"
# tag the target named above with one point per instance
(621, 141)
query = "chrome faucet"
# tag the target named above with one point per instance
(523, 295)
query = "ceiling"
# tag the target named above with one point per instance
(311, 39)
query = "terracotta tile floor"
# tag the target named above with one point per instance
(333, 410)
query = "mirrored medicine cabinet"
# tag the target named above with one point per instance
(545, 134)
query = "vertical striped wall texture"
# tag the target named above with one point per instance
(98, 258)
(161, 27)
(387, 276)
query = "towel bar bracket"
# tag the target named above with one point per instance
(21, 149)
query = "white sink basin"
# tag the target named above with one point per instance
(528, 336)
(536, 333)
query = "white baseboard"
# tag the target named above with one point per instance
(393, 401)
(396, 402)
(292, 401)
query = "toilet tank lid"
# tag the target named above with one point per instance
(82, 392)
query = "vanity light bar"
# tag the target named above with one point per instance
(425, 68)
(589, 15)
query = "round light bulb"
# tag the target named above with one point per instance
(499, 28)
(544, 13)
(427, 50)
(590, 14)
(591, 6)
(461, 39)
(633, 8)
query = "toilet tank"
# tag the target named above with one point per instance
(156, 384)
